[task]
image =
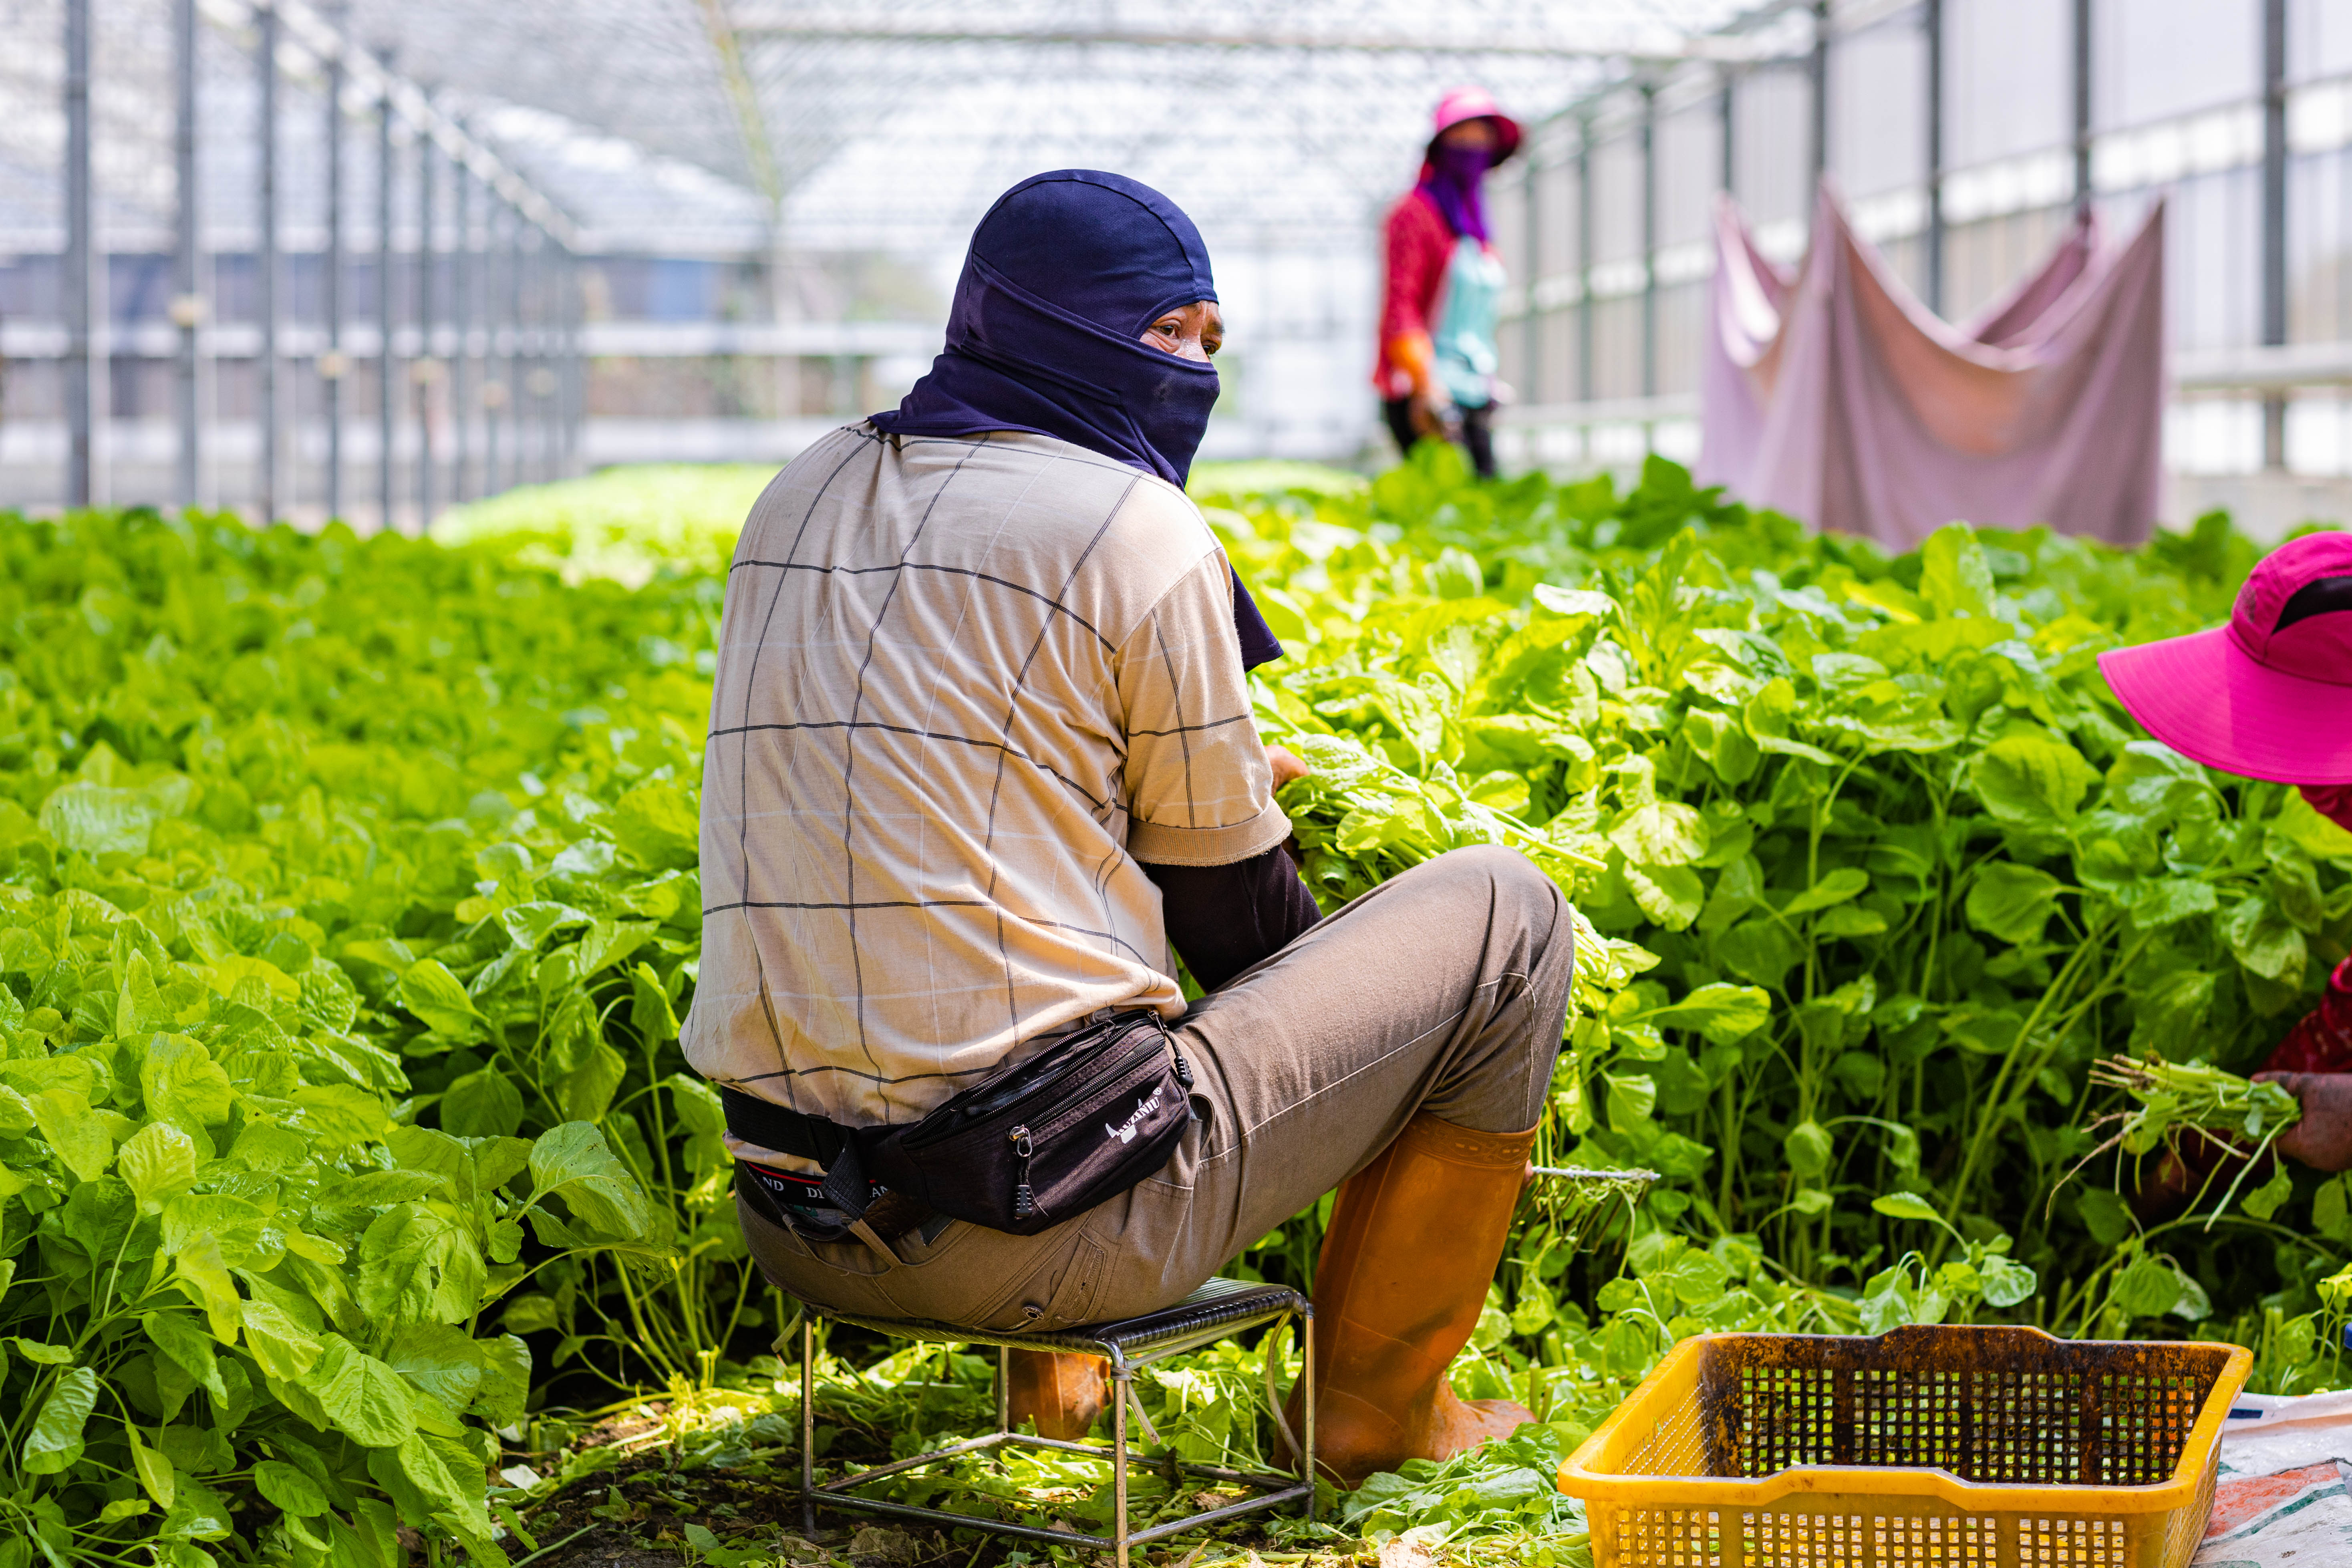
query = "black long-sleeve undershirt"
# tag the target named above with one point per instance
(1222, 918)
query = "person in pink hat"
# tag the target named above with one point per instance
(1444, 293)
(2269, 696)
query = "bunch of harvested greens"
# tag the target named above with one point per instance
(2219, 1108)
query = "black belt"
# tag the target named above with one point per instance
(834, 1148)
(765, 1123)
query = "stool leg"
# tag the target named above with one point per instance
(1119, 1371)
(1307, 1380)
(808, 1425)
(1005, 1389)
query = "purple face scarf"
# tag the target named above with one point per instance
(1065, 274)
(1455, 178)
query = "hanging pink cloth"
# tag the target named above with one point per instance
(1837, 398)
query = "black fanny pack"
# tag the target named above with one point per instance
(1079, 1123)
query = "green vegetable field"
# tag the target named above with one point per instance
(359, 1210)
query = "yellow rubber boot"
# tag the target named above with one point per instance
(1412, 1245)
(1061, 1391)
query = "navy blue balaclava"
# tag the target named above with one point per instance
(1064, 276)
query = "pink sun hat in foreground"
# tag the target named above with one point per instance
(2269, 696)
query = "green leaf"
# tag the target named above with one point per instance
(1808, 1148)
(1633, 1098)
(1770, 715)
(2312, 833)
(650, 1009)
(1849, 920)
(417, 1265)
(1670, 895)
(2266, 941)
(2006, 1283)
(1662, 833)
(158, 1163)
(1835, 887)
(283, 1348)
(365, 1399)
(660, 824)
(338, 1115)
(181, 1082)
(155, 1471)
(573, 1160)
(2266, 1200)
(1720, 1012)
(438, 1358)
(88, 819)
(44, 1354)
(2011, 901)
(55, 1442)
(285, 1487)
(482, 1104)
(203, 1277)
(2030, 781)
(187, 1347)
(506, 1378)
(588, 1092)
(2155, 902)
(1580, 602)
(428, 990)
(2147, 1288)
(1954, 577)
(1758, 949)
(77, 1138)
(1908, 1206)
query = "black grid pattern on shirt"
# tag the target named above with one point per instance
(1005, 749)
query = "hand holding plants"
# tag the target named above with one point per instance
(2323, 1138)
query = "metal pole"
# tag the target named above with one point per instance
(576, 367)
(2082, 100)
(2274, 217)
(187, 304)
(1648, 240)
(332, 365)
(1726, 127)
(79, 249)
(1531, 324)
(1121, 1375)
(513, 401)
(387, 375)
(1820, 72)
(266, 360)
(535, 376)
(494, 300)
(808, 1424)
(1584, 260)
(427, 365)
(461, 314)
(528, 452)
(1931, 21)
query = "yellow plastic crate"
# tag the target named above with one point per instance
(1961, 1447)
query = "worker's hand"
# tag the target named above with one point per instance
(1432, 415)
(2323, 1138)
(1287, 767)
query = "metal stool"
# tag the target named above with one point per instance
(1210, 1313)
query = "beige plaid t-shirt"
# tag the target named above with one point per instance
(965, 685)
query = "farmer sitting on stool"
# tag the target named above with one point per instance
(2269, 696)
(981, 752)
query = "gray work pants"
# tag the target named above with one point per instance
(1442, 991)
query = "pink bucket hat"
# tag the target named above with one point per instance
(2269, 696)
(1476, 103)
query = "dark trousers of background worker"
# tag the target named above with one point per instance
(1477, 431)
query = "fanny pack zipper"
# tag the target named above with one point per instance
(1024, 1203)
